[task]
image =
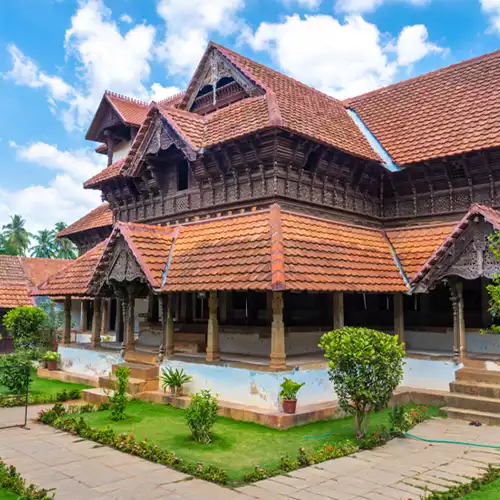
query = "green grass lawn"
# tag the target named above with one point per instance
(237, 446)
(489, 492)
(46, 386)
(7, 494)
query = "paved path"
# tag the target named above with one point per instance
(80, 469)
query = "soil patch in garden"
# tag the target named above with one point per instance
(237, 447)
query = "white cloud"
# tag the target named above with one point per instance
(361, 6)
(158, 92)
(413, 44)
(125, 18)
(24, 70)
(340, 59)
(305, 4)
(492, 9)
(63, 198)
(189, 24)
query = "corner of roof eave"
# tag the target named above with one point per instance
(375, 144)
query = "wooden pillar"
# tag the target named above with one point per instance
(95, 338)
(457, 300)
(223, 307)
(183, 300)
(213, 349)
(84, 315)
(119, 321)
(129, 337)
(399, 318)
(338, 310)
(278, 353)
(105, 317)
(167, 341)
(66, 336)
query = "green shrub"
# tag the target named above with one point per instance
(289, 389)
(51, 356)
(15, 372)
(365, 367)
(25, 324)
(174, 379)
(200, 415)
(11, 480)
(119, 400)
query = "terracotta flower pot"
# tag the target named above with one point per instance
(51, 365)
(289, 405)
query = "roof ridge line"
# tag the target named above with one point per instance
(277, 249)
(126, 98)
(444, 69)
(175, 234)
(398, 263)
(275, 118)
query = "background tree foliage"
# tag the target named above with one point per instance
(365, 367)
(26, 325)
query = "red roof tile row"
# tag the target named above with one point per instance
(102, 216)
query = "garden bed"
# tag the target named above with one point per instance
(237, 447)
(14, 487)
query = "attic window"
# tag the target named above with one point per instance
(182, 176)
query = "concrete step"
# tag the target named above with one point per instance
(475, 403)
(478, 375)
(145, 358)
(99, 395)
(484, 417)
(475, 388)
(139, 371)
(135, 385)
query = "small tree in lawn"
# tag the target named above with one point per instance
(25, 323)
(365, 367)
(119, 400)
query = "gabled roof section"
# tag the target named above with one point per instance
(446, 112)
(74, 279)
(102, 216)
(37, 270)
(150, 246)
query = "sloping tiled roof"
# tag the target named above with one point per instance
(75, 278)
(263, 250)
(131, 110)
(101, 216)
(446, 112)
(107, 173)
(414, 245)
(19, 274)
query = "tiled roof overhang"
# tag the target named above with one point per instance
(102, 216)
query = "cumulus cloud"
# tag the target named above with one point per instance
(361, 6)
(413, 45)
(305, 4)
(492, 9)
(189, 24)
(340, 58)
(125, 18)
(63, 198)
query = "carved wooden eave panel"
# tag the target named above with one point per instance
(105, 117)
(216, 66)
(468, 257)
(159, 137)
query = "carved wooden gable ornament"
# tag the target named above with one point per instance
(106, 117)
(467, 256)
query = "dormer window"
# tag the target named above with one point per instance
(226, 91)
(182, 176)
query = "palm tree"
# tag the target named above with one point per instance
(45, 245)
(5, 247)
(16, 234)
(65, 249)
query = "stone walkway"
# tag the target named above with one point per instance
(402, 469)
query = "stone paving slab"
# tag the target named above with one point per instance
(402, 469)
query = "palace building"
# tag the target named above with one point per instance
(248, 215)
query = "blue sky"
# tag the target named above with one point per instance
(58, 56)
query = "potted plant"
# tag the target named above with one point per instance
(174, 379)
(51, 359)
(289, 390)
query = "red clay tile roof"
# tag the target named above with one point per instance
(131, 110)
(19, 274)
(108, 173)
(190, 126)
(264, 250)
(102, 216)
(414, 245)
(446, 112)
(75, 278)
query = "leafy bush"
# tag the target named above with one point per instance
(289, 389)
(11, 480)
(174, 379)
(25, 324)
(200, 415)
(402, 418)
(365, 367)
(15, 372)
(51, 356)
(36, 399)
(119, 400)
